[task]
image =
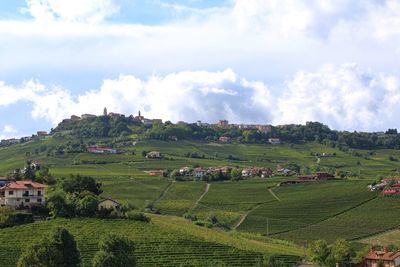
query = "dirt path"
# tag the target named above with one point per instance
(203, 195)
(164, 193)
(273, 194)
(244, 216)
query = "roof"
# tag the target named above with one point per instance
(382, 255)
(20, 185)
(110, 199)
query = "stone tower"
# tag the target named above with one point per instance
(105, 112)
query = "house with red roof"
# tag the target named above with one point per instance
(22, 194)
(199, 173)
(386, 258)
(101, 150)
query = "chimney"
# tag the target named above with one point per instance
(386, 250)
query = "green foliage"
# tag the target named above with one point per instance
(60, 204)
(115, 251)
(78, 184)
(320, 252)
(57, 249)
(342, 253)
(87, 206)
(10, 217)
(136, 216)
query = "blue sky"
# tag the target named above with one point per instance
(264, 61)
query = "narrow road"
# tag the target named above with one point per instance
(273, 194)
(244, 216)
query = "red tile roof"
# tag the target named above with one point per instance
(23, 185)
(382, 255)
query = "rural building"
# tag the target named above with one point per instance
(22, 194)
(42, 133)
(391, 180)
(374, 258)
(324, 176)
(224, 139)
(153, 155)
(274, 141)
(199, 173)
(101, 150)
(109, 204)
(4, 181)
(185, 171)
(88, 116)
(115, 115)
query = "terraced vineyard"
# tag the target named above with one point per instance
(373, 217)
(159, 243)
(306, 204)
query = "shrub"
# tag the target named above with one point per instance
(9, 217)
(136, 216)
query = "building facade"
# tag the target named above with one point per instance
(22, 194)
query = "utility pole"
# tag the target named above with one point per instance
(267, 226)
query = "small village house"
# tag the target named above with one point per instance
(223, 123)
(185, 171)
(42, 133)
(376, 258)
(153, 155)
(22, 194)
(109, 203)
(88, 116)
(199, 173)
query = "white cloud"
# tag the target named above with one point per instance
(8, 132)
(344, 97)
(190, 96)
(91, 11)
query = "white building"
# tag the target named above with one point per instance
(199, 173)
(22, 194)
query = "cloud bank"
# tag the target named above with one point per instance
(346, 97)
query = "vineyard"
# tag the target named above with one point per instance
(158, 243)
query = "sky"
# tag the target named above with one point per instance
(247, 61)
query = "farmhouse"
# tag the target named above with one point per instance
(101, 150)
(199, 173)
(42, 133)
(391, 180)
(374, 258)
(153, 155)
(223, 123)
(22, 194)
(185, 171)
(88, 116)
(109, 204)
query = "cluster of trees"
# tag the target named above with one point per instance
(101, 126)
(59, 249)
(78, 196)
(34, 172)
(233, 174)
(339, 252)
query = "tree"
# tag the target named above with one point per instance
(59, 204)
(78, 184)
(65, 243)
(114, 251)
(342, 253)
(57, 249)
(87, 206)
(319, 252)
(29, 173)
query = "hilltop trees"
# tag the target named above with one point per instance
(57, 249)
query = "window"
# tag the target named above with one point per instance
(27, 200)
(26, 193)
(39, 193)
(39, 200)
(10, 192)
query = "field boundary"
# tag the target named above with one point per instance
(243, 217)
